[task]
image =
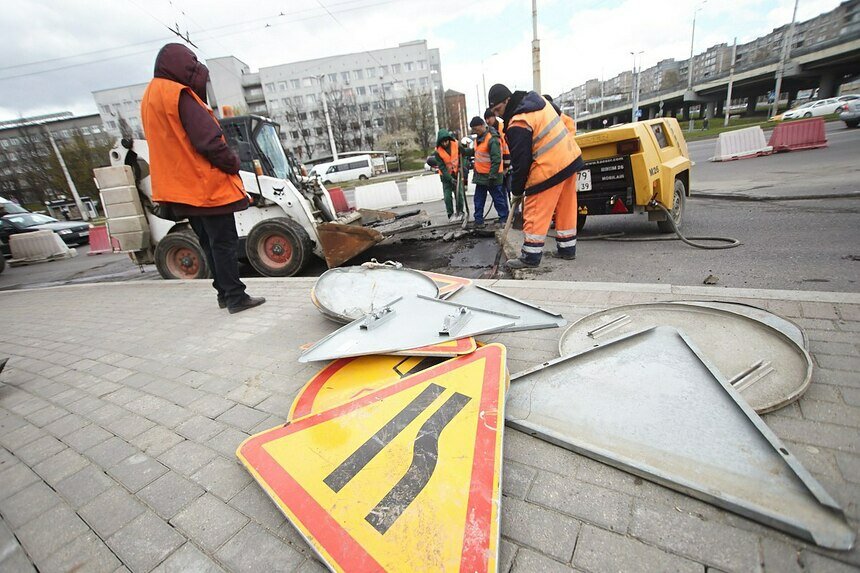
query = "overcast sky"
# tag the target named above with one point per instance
(55, 53)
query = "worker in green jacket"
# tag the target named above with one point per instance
(489, 170)
(449, 160)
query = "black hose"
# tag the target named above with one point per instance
(731, 242)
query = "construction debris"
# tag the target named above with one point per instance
(650, 403)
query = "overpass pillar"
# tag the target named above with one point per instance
(827, 85)
(710, 110)
(792, 97)
(720, 108)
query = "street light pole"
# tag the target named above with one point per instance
(80, 204)
(535, 50)
(786, 49)
(690, 65)
(433, 97)
(484, 81)
(635, 87)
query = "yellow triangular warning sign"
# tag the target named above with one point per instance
(403, 479)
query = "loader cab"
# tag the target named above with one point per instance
(256, 138)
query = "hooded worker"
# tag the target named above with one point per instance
(489, 170)
(193, 170)
(544, 159)
(449, 164)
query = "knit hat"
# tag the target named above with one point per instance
(497, 94)
(476, 121)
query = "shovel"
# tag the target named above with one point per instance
(494, 270)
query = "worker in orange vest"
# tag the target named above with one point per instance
(493, 122)
(544, 160)
(449, 161)
(194, 173)
(489, 170)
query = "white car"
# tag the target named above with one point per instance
(814, 109)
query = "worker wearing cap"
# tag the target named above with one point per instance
(544, 159)
(449, 164)
(489, 170)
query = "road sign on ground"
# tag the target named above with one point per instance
(447, 283)
(402, 479)
(443, 349)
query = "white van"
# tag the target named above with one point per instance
(346, 169)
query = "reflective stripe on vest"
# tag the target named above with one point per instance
(483, 162)
(450, 157)
(553, 146)
(179, 173)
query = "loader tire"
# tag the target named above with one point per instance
(679, 199)
(179, 256)
(278, 247)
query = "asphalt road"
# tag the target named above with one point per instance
(786, 244)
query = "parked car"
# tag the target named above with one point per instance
(813, 109)
(10, 208)
(848, 97)
(849, 112)
(72, 232)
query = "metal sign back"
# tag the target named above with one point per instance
(771, 367)
(651, 404)
(406, 478)
(532, 317)
(417, 321)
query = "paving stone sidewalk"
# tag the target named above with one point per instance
(122, 405)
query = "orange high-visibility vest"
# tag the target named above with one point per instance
(450, 157)
(179, 173)
(482, 155)
(553, 146)
(569, 123)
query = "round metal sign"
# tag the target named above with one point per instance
(347, 293)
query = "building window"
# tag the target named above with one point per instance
(395, 69)
(374, 89)
(357, 74)
(383, 70)
(409, 66)
(344, 76)
(370, 72)
(410, 84)
(294, 134)
(332, 78)
(270, 88)
(311, 99)
(104, 109)
(275, 104)
(422, 64)
(319, 131)
(380, 122)
(111, 125)
(303, 116)
(422, 82)
(361, 90)
(297, 100)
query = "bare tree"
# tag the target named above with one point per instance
(299, 118)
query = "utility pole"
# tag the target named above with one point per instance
(80, 204)
(484, 83)
(634, 88)
(460, 117)
(328, 121)
(731, 83)
(690, 65)
(786, 49)
(535, 50)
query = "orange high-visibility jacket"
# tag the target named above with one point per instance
(482, 155)
(553, 146)
(179, 173)
(569, 123)
(450, 156)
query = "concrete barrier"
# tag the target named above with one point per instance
(741, 144)
(424, 189)
(38, 246)
(100, 240)
(798, 134)
(378, 196)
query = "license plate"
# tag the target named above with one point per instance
(583, 181)
(84, 234)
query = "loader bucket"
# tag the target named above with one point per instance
(340, 243)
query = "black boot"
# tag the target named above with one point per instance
(249, 302)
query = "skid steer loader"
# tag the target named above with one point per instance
(292, 217)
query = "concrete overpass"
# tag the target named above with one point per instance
(823, 66)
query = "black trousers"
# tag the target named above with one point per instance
(218, 237)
